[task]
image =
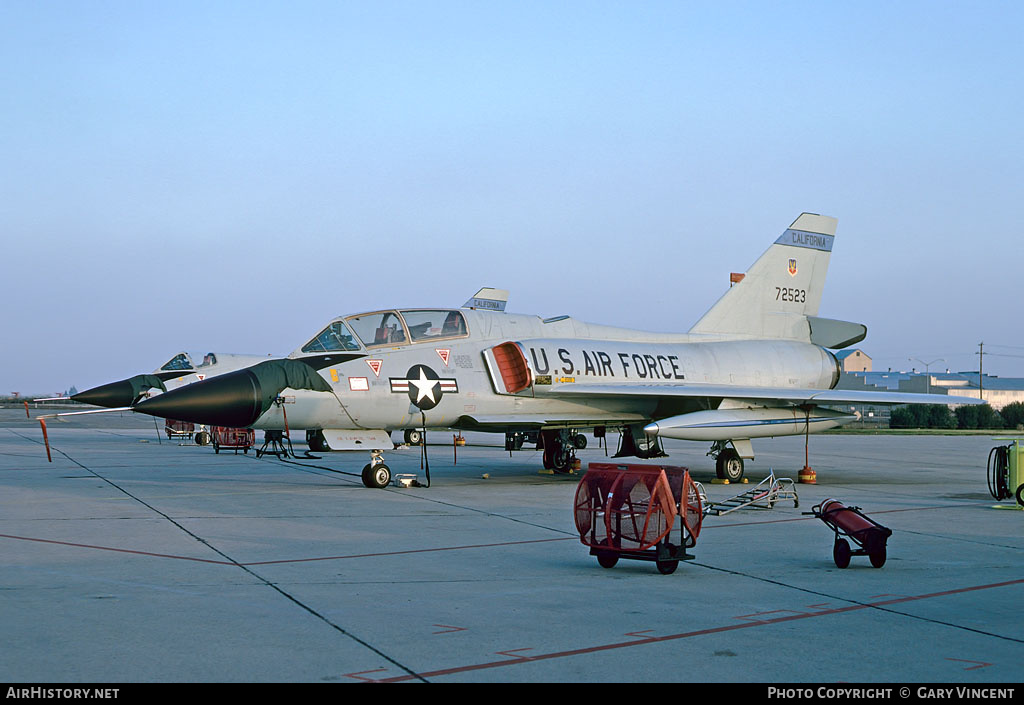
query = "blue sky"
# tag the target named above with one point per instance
(228, 176)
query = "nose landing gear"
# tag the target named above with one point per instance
(376, 474)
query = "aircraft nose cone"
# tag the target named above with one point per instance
(233, 400)
(111, 396)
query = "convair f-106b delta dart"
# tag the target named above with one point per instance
(756, 365)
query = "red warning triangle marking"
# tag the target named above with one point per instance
(443, 353)
(375, 365)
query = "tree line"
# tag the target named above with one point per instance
(964, 417)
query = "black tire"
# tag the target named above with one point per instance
(413, 437)
(1020, 495)
(376, 476)
(667, 567)
(202, 438)
(607, 559)
(316, 441)
(580, 441)
(878, 557)
(729, 465)
(841, 553)
(558, 456)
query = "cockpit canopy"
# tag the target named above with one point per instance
(333, 338)
(388, 328)
(182, 362)
(179, 363)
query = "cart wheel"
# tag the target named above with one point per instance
(878, 557)
(1020, 495)
(376, 476)
(667, 567)
(729, 465)
(607, 559)
(841, 553)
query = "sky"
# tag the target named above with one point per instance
(228, 176)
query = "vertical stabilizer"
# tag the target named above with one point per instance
(780, 289)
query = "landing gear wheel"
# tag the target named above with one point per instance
(878, 557)
(413, 437)
(202, 438)
(841, 553)
(580, 441)
(376, 476)
(558, 452)
(729, 465)
(607, 559)
(316, 441)
(562, 460)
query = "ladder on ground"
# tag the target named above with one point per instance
(763, 495)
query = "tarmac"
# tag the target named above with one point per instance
(133, 558)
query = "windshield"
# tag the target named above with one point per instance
(381, 328)
(178, 362)
(434, 324)
(333, 338)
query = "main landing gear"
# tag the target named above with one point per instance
(728, 463)
(559, 448)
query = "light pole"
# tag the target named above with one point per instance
(927, 373)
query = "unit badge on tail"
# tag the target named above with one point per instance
(792, 267)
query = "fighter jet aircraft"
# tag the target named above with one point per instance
(757, 364)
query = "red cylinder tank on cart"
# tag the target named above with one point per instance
(854, 524)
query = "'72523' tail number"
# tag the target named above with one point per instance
(783, 293)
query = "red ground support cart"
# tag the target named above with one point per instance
(179, 429)
(233, 438)
(628, 511)
(852, 523)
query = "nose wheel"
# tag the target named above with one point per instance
(376, 474)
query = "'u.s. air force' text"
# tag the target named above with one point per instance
(597, 363)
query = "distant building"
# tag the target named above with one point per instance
(853, 360)
(996, 391)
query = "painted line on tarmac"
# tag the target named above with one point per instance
(643, 641)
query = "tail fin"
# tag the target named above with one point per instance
(780, 290)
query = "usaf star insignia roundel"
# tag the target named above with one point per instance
(423, 386)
